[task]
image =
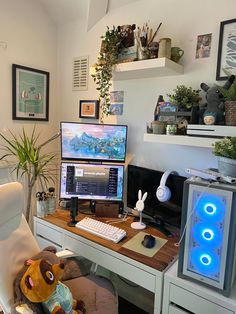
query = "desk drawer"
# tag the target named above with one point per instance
(44, 243)
(114, 264)
(49, 234)
(194, 303)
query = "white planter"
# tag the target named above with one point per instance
(227, 166)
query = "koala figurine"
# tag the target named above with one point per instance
(213, 112)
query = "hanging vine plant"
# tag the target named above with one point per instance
(110, 48)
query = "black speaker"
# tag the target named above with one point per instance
(208, 227)
(73, 211)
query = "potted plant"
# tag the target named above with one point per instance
(110, 48)
(225, 150)
(29, 159)
(184, 97)
(230, 103)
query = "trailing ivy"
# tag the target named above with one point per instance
(110, 48)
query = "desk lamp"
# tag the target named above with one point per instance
(140, 206)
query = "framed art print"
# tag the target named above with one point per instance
(89, 109)
(226, 62)
(30, 93)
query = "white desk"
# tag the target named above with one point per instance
(53, 230)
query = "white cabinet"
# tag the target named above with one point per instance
(147, 68)
(183, 296)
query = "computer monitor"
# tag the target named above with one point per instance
(93, 142)
(91, 181)
(148, 180)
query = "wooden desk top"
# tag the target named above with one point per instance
(160, 261)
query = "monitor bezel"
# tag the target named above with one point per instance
(95, 164)
(94, 159)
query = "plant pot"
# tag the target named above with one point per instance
(158, 127)
(230, 113)
(227, 166)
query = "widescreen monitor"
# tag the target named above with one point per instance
(147, 180)
(93, 142)
(91, 181)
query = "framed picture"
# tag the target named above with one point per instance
(226, 62)
(30, 93)
(89, 109)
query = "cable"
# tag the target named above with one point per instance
(118, 220)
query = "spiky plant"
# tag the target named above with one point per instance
(30, 161)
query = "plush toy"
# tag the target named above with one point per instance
(38, 288)
(127, 34)
(213, 112)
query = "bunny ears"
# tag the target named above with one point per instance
(140, 203)
(140, 196)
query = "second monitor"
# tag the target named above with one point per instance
(94, 182)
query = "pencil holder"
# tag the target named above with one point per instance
(41, 208)
(143, 53)
(51, 205)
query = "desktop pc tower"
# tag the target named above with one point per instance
(208, 229)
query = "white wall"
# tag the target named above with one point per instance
(31, 41)
(182, 21)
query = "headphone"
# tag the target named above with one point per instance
(163, 193)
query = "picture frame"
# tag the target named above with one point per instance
(89, 109)
(30, 93)
(226, 60)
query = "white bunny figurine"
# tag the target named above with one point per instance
(140, 206)
(140, 202)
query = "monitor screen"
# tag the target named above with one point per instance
(148, 181)
(95, 142)
(91, 181)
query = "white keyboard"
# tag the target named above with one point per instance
(101, 229)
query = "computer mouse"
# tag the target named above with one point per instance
(148, 241)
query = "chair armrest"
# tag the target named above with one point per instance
(66, 254)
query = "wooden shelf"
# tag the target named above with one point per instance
(147, 68)
(184, 140)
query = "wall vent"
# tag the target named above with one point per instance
(80, 73)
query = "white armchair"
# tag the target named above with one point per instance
(17, 244)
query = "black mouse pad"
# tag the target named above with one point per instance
(135, 244)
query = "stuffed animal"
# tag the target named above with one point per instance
(213, 113)
(40, 284)
(38, 287)
(127, 34)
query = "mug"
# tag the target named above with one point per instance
(176, 53)
(164, 48)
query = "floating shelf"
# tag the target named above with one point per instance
(180, 140)
(147, 68)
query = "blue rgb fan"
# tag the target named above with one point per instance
(205, 261)
(209, 207)
(206, 235)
